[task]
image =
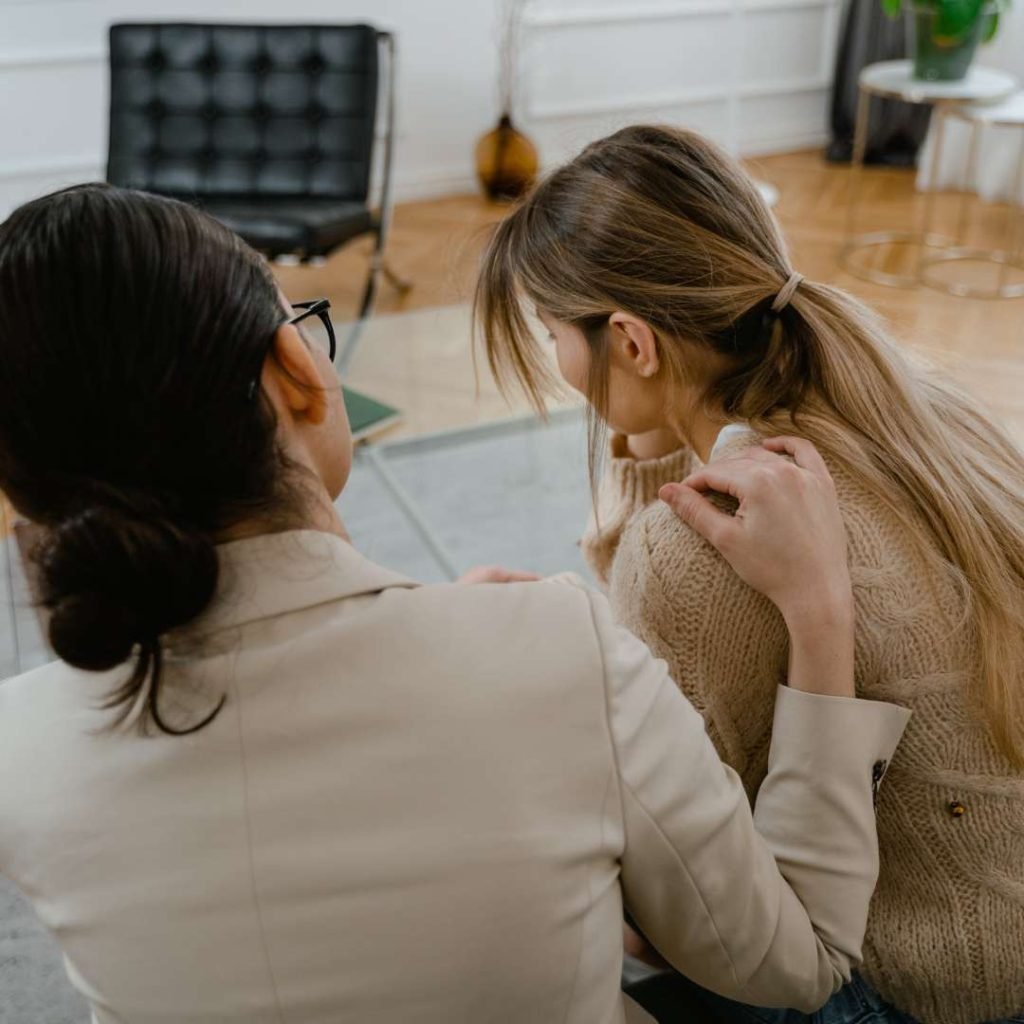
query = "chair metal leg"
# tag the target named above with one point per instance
(378, 263)
(378, 266)
(348, 350)
(400, 284)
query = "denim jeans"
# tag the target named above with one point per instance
(669, 997)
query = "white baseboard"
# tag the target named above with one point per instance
(440, 184)
(434, 185)
(788, 143)
(29, 170)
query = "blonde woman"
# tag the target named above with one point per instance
(667, 290)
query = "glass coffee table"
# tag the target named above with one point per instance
(452, 418)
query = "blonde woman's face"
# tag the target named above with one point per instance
(638, 397)
(572, 352)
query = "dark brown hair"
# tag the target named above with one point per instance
(131, 327)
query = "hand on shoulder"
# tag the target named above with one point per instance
(786, 538)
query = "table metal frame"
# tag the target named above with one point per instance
(925, 237)
(374, 454)
(1011, 257)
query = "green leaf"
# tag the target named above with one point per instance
(955, 18)
(892, 7)
(988, 33)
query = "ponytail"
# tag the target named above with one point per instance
(930, 453)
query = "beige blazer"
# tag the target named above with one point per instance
(426, 804)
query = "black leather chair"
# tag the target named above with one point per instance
(270, 128)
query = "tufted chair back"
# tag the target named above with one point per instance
(243, 112)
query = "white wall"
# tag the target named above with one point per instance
(751, 73)
(1007, 51)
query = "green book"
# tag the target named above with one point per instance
(366, 415)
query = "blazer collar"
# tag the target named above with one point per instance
(276, 573)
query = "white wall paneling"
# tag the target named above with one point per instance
(750, 73)
(1007, 51)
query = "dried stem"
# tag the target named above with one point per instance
(508, 52)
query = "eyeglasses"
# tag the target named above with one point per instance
(316, 329)
(321, 331)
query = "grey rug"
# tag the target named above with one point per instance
(510, 494)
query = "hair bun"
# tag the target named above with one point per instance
(112, 579)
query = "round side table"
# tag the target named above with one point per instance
(1008, 114)
(894, 79)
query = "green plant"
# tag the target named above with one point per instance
(955, 19)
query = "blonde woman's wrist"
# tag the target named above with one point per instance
(818, 608)
(821, 644)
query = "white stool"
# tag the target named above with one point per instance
(894, 79)
(1008, 114)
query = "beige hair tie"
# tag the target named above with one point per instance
(786, 292)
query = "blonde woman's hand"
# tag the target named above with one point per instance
(786, 540)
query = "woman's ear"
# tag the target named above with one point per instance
(292, 378)
(634, 344)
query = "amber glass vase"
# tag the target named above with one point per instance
(506, 161)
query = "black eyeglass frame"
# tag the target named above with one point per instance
(317, 307)
(312, 307)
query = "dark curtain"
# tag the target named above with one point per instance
(897, 129)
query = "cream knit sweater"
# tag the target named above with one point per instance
(945, 939)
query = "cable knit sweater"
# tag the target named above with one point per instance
(945, 938)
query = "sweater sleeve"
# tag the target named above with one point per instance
(627, 486)
(726, 645)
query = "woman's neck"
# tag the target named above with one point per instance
(701, 431)
(317, 513)
(703, 434)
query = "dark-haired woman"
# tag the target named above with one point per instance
(271, 781)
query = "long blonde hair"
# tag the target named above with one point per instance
(658, 222)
